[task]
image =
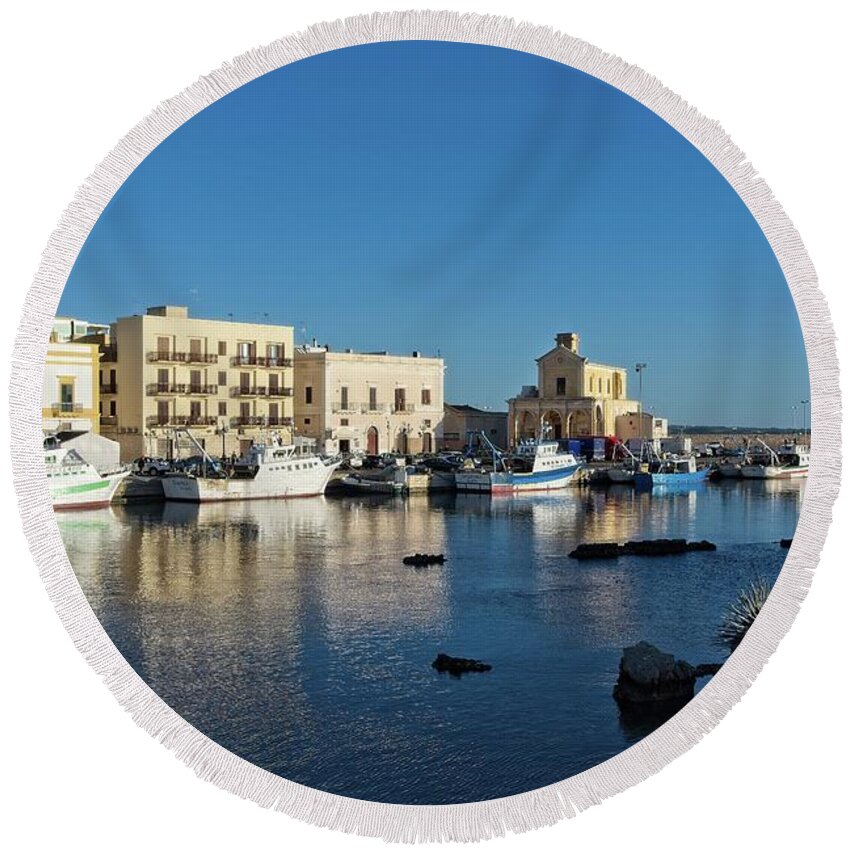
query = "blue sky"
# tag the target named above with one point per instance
(464, 199)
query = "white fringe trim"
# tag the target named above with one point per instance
(470, 821)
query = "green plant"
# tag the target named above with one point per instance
(741, 613)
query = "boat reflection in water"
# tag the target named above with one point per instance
(291, 633)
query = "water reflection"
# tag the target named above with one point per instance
(291, 633)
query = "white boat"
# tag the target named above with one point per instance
(535, 465)
(790, 460)
(273, 471)
(74, 483)
(382, 486)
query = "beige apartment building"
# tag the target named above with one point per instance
(70, 394)
(373, 403)
(228, 383)
(573, 397)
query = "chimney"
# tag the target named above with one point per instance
(416, 354)
(567, 340)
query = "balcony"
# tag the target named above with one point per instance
(67, 407)
(108, 420)
(247, 391)
(260, 421)
(180, 421)
(263, 362)
(109, 355)
(182, 389)
(181, 357)
(278, 392)
(108, 389)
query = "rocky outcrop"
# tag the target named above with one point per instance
(786, 542)
(649, 548)
(419, 560)
(648, 675)
(456, 666)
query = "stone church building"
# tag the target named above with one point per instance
(574, 397)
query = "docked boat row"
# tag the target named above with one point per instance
(281, 471)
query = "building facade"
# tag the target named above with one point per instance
(573, 397)
(640, 426)
(70, 395)
(228, 383)
(460, 419)
(372, 403)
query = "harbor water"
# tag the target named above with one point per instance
(291, 633)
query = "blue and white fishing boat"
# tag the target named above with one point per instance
(535, 465)
(671, 472)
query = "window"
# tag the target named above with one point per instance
(273, 414)
(426, 396)
(222, 408)
(162, 380)
(343, 422)
(426, 423)
(306, 420)
(274, 353)
(113, 408)
(195, 381)
(222, 379)
(245, 410)
(273, 381)
(163, 345)
(400, 399)
(195, 347)
(194, 411)
(373, 398)
(66, 395)
(560, 386)
(244, 381)
(162, 412)
(343, 398)
(222, 348)
(308, 395)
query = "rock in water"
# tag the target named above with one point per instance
(455, 666)
(786, 542)
(648, 675)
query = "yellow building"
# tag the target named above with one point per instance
(352, 402)
(228, 383)
(574, 397)
(70, 396)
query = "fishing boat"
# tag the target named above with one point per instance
(379, 486)
(74, 483)
(671, 472)
(268, 471)
(790, 460)
(535, 465)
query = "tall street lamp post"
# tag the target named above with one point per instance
(804, 405)
(639, 367)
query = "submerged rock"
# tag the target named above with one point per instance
(648, 675)
(648, 548)
(786, 542)
(455, 666)
(420, 560)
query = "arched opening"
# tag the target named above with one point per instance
(580, 423)
(553, 425)
(426, 443)
(372, 441)
(527, 425)
(599, 429)
(402, 444)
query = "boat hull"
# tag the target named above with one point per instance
(771, 472)
(647, 480)
(186, 488)
(514, 482)
(87, 495)
(621, 476)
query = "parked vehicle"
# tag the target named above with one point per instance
(150, 466)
